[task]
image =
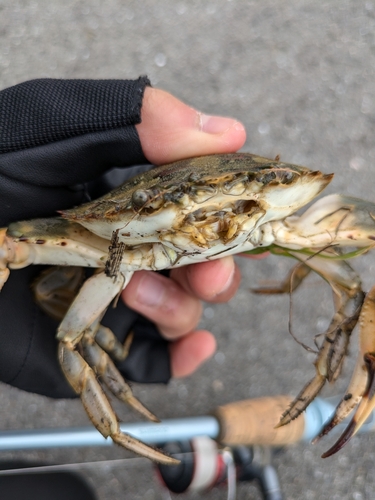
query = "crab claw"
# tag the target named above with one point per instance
(83, 363)
(328, 365)
(362, 386)
(364, 409)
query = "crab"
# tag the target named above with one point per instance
(191, 211)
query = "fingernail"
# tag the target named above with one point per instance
(217, 124)
(223, 272)
(227, 264)
(150, 290)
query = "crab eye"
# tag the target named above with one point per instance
(194, 177)
(139, 198)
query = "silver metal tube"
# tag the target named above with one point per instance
(321, 410)
(167, 430)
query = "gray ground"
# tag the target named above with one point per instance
(300, 76)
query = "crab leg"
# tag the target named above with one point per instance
(289, 284)
(54, 291)
(362, 386)
(332, 221)
(106, 339)
(88, 308)
(105, 369)
(54, 242)
(347, 295)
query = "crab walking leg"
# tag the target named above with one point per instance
(312, 388)
(106, 370)
(107, 340)
(353, 396)
(91, 302)
(347, 291)
(332, 220)
(362, 386)
(289, 284)
(88, 308)
(83, 380)
(55, 289)
(362, 372)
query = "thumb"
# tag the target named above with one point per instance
(170, 130)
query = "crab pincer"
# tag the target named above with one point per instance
(78, 328)
(361, 389)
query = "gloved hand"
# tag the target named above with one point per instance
(59, 141)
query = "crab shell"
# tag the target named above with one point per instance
(214, 194)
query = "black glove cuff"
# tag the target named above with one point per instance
(42, 111)
(49, 147)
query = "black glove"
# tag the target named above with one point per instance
(58, 141)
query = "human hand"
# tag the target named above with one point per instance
(169, 131)
(46, 160)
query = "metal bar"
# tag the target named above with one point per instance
(167, 430)
(321, 410)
